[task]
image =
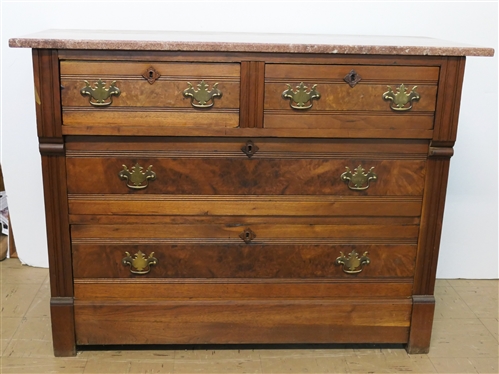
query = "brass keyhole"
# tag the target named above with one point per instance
(249, 147)
(247, 235)
(352, 77)
(150, 74)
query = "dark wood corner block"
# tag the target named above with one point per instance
(227, 189)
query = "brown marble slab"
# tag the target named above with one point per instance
(245, 42)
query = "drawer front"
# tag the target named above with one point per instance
(244, 321)
(343, 105)
(277, 167)
(251, 251)
(184, 94)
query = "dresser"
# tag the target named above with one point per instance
(243, 188)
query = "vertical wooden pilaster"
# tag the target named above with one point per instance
(440, 152)
(48, 111)
(252, 94)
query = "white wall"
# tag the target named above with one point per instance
(469, 241)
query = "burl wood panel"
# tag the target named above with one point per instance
(341, 97)
(241, 288)
(252, 321)
(200, 260)
(162, 95)
(243, 176)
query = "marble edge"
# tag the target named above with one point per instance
(192, 46)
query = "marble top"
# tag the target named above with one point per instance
(245, 42)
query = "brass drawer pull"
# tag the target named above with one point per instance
(401, 98)
(247, 235)
(139, 263)
(137, 179)
(202, 95)
(358, 180)
(352, 264)
(101, 96)
(301, 96)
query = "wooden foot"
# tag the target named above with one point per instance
(63, 331)
(421, 323)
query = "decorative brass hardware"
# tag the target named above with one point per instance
(100, 94)
(249, 149)
(139, 263)
(247, 235)
(151, 75)
(353, 264)
(137, 177)
(352, 78)
(202, 95)
(401, 98)
(358, 181)
(301, 96)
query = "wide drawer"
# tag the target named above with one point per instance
(244, 321)
(121, 94)
(329, 99)
(224, 167)
(244, 251)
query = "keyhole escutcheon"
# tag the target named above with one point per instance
(249, 149)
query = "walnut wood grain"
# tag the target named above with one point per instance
(63, 333)
(267, 230)
(236, 205)
(243, 261)
(369, 73)
(235, 176)
(341, 97)
(449, 101)
(48, 114)
(260, 321)
(226, 57)
(51, 146)
(211, 147)
(162, 95)
(354, 120)
(241, 220)
(168, 71)
(47, 93)
(178, 121)
(431, 225)
(235, 289)
(421, 324)
(211, 128)
(252, 93)
(209, 286)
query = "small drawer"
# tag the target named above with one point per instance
(144, 94)
(355, 97)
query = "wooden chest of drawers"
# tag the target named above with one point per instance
(238, 193)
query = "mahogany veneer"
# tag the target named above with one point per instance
(248, 213)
